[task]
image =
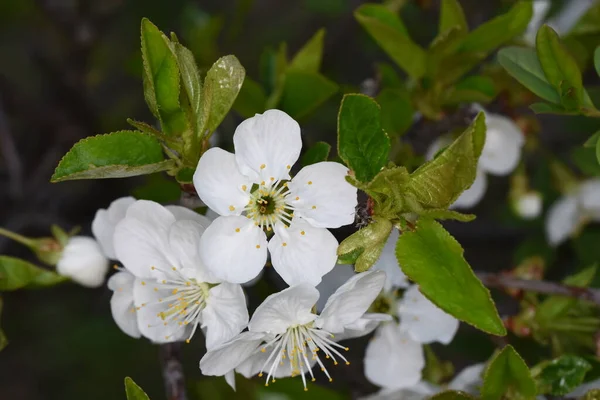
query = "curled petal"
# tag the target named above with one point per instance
(121, 303)
(225, 314)
(105, 221)
(183, 213)
(227, 356)
(184, 241)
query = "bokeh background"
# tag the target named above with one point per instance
(72, 68)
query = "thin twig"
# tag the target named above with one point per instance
(172, 371)
(545, 287)
(11, 156)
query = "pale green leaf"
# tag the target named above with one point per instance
(434, 260)
(308, 58)
(591, 142)
(305, 91)
(316, 153)
(18, 274)
(364, 247)
(362, 143)
(113, 155)
(192, 84)
(452, 15)
(507, 376)
(597, 60)
(561, 376)
(133, 391)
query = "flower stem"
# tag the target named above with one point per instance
(18, 238)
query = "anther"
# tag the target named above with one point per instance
(310, 182)
(258, 246)
(263, 166)
(231, 208)
(143, 283)
(237, 229)
(288, 166)
(314, 207)
(284, 244)
(302, 233)
(244, 187)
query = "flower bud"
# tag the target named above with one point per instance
(528, 205)
(82, 260)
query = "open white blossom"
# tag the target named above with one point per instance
(255, 196)
(285, 338)
(569, 213)
(173, 293)
(122, 305)
(105, 221)
(83, 261)
(528, 205)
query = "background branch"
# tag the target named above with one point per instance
(172, 371)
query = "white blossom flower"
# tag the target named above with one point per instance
(572, 211)
(83, 261)
(105, 221)
(423, 321)
(254, 195)
(528, 205)
(173, 293)
(388, 262)
(285, 338)
(566, 18)
(469, 380)
(122, 304)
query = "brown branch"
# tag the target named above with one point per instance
(172, 371)
(545, 287)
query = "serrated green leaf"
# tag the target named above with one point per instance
(388, 31)
(597, 60)
(446, 214)
(308, 58)
(439, 182)
(452, 15)
(161, 79)
(507, 376)
(113, 155)
(362, 144)
(452, 395)
(523, 65)
(251, 99)
(497, 31)
(18, 274)
(221, 87)
(305, 91)
(397, 111)
(559, 66)
(133, 391)
(562, 375)
(316, 153)
(192, 85)
(432, 258)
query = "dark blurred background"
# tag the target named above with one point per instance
(72, 68)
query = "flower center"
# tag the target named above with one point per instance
(268, 205)
(295, 346)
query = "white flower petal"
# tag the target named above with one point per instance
(121, 303)
(291, 306)
(233, 249)
(332, 281)
(227, 356)
(392, 359)
(184, 242)
(469, 379)
(225, 314)
(421, 391)
(253, 365)
(182, 213)
(562, 219)
(301, 253)
(502, 149)
(363, 326)
(540, 9)
(142, 238)
(529, 205)
(351, 301)
(388, 263)
(267, 146)
(83, 261)
(105, 221)
(321, 195)
(589, 197)
(473, 195)
(219, 183)
(424, 321)
(230, 379)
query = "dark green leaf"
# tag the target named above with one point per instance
(474, 89)
(316, 153)
(507, 376)
(586, 160)
(432, 258)
(133, 391)
(221, 86)
(161, 79)
(396, 111)
(17, 274)
(388, 31)
(597, 60)
(495, 32)
(251, 100)
(452, 395)
(113, 155)
(308, 58)
(305, 91)
(452, 15)
(548, 108)
(190, 78)
(185, 175)
(388, 77)
(562, 375)
(523, 65)
(362, 144)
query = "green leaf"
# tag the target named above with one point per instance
(18, 274)
(507, 376)
(562, 375)
(388, 31)
(362, 144)
(593, 394)
(364, 247)
(559, 66)
(473, 89)
(438, 183)
(495, 32)
(397, 111)
(432, 258)
(113, 155)
(221, 86)
(133, 391)
(452, 395)
(586, 160)
(305, 91)
(598, 150)
(308, 58)
(591, 142)
(251, 99)
(597, 60)
(316, 153)
(452, 15)
(547, 108)
(523, 65)
(161, 79)
(190, 77)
